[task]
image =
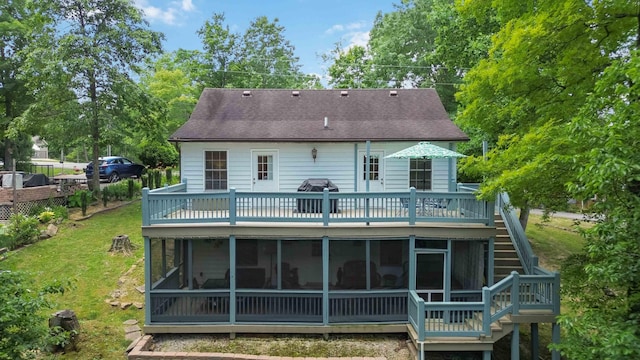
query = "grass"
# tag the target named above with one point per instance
(80, 252)
(555, 239)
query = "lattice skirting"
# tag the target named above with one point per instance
(25, 207)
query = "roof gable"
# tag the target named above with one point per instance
(299, 115)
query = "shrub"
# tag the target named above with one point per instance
(61, 212)
(169, 175)
(75, 200)
(22, 230)
(157, 178)
(130, 189)
(158, 154)
(105, 196)
(23, 328)
(46, 216)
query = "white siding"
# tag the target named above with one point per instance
(335, 161)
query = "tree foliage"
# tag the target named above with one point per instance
(15, 21)
(262, 57)
(558, 96)
(80, 67)
(23, 328)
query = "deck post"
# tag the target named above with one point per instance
(232, 206)
(515, 292)
(146, 214)
(232, 279)
(486, 355)
(325, 280)
(515, 342)
(325, 207)
(147, 280)
(486, 312)
(555, 339)
(535, 341)
(412, 206)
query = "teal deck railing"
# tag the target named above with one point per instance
(278, 306)
(173, 204)
(513, 295)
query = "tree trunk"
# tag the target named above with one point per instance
(121, 243)
(65, 320)
(524, 217)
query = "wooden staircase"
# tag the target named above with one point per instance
(505, 256)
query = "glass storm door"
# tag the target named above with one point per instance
(376, 171)
(430, 272)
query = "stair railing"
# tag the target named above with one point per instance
(516, 233)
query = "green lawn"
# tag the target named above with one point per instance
(553, 240)
(80, 252)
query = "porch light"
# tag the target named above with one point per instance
(314, 154)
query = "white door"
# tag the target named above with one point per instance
(376, 171)
(264, 171)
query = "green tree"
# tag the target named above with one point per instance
(23, 328)
(15, 20)
(351, 68)
(558, 93)
(80, 70)
(260, 58)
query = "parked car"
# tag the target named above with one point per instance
(114, 168)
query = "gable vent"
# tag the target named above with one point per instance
(393, 93)
(246, 93)
(295, 93)
(344, 93)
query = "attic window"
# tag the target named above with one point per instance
(295, 93)
(246, 93)
(393, 93)
(344, 93)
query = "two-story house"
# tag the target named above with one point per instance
(292, 218)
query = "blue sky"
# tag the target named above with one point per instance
(312, 26)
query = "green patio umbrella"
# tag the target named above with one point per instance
(425, 150)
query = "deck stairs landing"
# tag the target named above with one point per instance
(499, 329)
(505, 256)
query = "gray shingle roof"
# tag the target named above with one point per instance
(279, 115)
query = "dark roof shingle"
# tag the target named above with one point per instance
(279, 115)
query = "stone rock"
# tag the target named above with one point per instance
(52, 230)
(138, 305)
(133, 335)
(125, 305)
(140, 289)
(132, 328)
(114, 303)
(130, 322)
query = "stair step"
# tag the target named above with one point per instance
(505, 254)
(507, 262)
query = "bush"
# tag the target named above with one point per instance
(61, 212)
(23, 324)
(22, 230)
(75, 200)
(158, 154)
(46, 216)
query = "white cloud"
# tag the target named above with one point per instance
(360, 38)
(187, 5)
(168, 15)
(334, 28)
(348, 27)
